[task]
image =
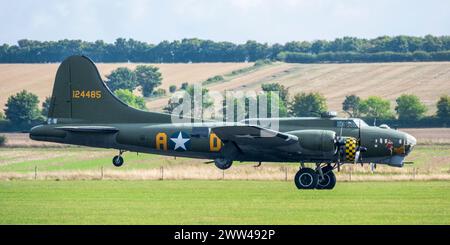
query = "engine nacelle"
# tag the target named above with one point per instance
(319, 143)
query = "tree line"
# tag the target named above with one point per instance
(409, 110)
(346, 49)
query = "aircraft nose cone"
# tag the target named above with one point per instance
(411, 140)
(409, 143)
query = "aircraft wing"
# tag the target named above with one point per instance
(246, 136)
(89, 129)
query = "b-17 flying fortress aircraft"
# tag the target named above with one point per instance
(83, 111)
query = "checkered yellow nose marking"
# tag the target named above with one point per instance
(350, 149)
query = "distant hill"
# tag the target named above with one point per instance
(389, 80)
(39, 78)
(428, 80)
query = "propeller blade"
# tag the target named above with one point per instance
(359, 131)
(357, 153)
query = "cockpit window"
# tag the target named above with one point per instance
(359, 122)
(346, 124)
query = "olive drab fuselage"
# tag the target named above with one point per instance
(200, 141)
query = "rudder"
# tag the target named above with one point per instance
(80, 96)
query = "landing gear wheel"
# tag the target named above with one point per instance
(329, 179)
(306, 178)
(117, 161)
(223, 163)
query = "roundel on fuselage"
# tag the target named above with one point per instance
(179, 141)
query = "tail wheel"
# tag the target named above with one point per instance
(306, 178)
(117, 161)
(329, 179)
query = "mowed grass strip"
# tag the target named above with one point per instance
(427, 158)
(72, 158)
(221, 202)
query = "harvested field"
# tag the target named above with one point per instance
(428, 80)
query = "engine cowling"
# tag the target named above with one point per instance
(319, 143)
(348, 147)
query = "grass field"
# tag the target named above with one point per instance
(26, 159)
(428, 80)
(79, 185)
(79, 163)
(221, 202)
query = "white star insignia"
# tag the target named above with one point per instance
(179, 141)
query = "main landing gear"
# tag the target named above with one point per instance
(321, 178)
(223, 163)
(118, 160)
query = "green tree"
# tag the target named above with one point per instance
(311, 104)
(409, 107)
(283, 92)
(46, 107)
(176, 101)
(122, 78)
(172, 88)
(184, 86)
(2, 140)
(130, 99)
(443, 107)
(159, 92)
(281, 101)
(346, 49)
(2, 117)
(148, 77)
(376, 107)
(22, 108)
(351, 105)
(278, 102)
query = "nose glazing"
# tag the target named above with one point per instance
(410, 142)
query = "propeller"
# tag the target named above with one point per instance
(339, 150)
(360, 148)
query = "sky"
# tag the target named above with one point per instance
(271, 21)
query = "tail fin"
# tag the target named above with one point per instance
(80, 96)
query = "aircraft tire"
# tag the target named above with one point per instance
(223, 163)
(117, 161)
(306, 178)
(329, 180)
